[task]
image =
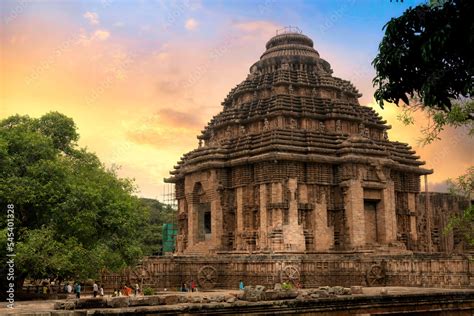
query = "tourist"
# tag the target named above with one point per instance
(125, 290)
(137, 289)
(77, 289)
(184, 287)
(193, 286)
(116, 293)
(101, 291)
(241, 285)
(95, 289)
(69, 288)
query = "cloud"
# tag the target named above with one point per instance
(259, 26)
(101, 35)
(191, 24)
(256, 31)
(164, 128)
(92, 17)
(437, 186)
(177, 118)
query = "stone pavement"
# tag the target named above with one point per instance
(220, 300)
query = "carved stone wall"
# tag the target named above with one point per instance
(433, 270)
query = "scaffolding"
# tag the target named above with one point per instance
(168, 196)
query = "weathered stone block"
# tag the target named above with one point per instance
(171, 299)
(356, 289)
(121, 301)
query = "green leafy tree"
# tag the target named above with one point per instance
(73, 216)
(426, 60)
(464, 222)
(428, 53)
(159, 214)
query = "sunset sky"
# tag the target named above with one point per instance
(142, 78)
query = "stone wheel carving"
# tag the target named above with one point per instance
(140, 273)
(290, 274)
(376, 275)
(207, 277)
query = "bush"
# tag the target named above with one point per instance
(148, 291)
(286, 286)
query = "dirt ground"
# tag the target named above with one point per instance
(48, 305)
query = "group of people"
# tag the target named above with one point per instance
(77, 288)
(127, 290)
(191, 288)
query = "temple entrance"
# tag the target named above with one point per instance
(207, 225)
(370, 214)
(203, 213)
(204, 221)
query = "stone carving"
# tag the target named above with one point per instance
(377, 275)
(322, 127)
(266, 124)
(290, 274)
(366, 132)
(293, 123)
(338, 126)
(207, 277)
(361, 129)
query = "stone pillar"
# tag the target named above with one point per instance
(387, 214)
(192, 220)
(428, 215)
(323, 235)
(216, 223)
(277, 197)
(239, 196)
(293, 235)
(354, 206)
(412, 208)
(263, 217)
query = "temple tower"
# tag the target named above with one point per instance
(293, 164)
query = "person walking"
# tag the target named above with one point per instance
(77, 289)
(69, 288)
(95, 289)
(137, 289)
(101, 290)
(193, 286)
(241, 285)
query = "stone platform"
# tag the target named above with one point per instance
(309, 270)
(413, 301)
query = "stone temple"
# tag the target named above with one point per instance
(295, 181)
(294, 163)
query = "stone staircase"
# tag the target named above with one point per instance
(200, 248)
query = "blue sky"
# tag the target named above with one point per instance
(142, 78)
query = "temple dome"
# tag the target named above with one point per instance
(291, 107)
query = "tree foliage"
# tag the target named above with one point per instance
(428, 53)
(159, 214)
(464, 222)
(73, 216)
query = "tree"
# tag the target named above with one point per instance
(426, 60)
(428, 53)
(73, 216)
(464, 222)
(152, 232)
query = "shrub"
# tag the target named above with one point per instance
(148, 291)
